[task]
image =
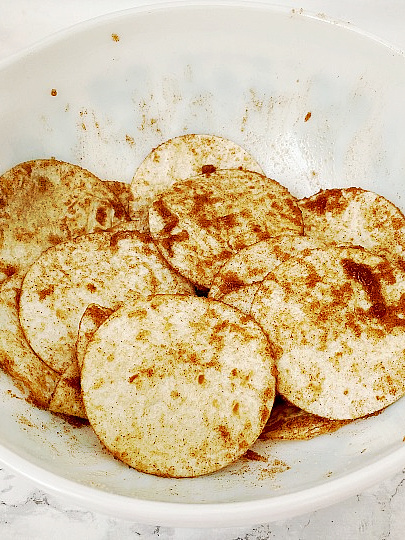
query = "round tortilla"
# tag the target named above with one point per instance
(338, 316)
(45, 202)
(180, 158)
(177, 385)
(356, 216)
(106, 268)
(199, 223)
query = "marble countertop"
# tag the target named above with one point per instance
(29, 512)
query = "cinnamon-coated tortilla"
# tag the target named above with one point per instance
(178, 385)
(199, 223)
(180, 158)
(107, 268)
(338, 317)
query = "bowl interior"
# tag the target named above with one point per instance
(103, 95)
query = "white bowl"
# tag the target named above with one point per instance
(249, 72)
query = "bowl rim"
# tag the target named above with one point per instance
(208, 515)
(161, 5)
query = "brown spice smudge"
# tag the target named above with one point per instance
(101, 216)
(46, 292)
(278, 466)
(208, 169)
(74, 382)
(254, 456)
(363, 274)
(224, 432)
(329, 200)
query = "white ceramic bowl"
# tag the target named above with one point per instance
(251, 73)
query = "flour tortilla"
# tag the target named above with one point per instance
(105, 268)
(357, 216)
(199, 223)
(290, 423)
(92, 318)
(28, 371)
(45, 202)
(338, 316)
(185, 390)
(239, 278)
(180, 158)
(67, 397)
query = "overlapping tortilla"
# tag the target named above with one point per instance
(238, 279)
(67, 397)
(338, 316)
(185, 390)
(44, 202)
(180, 158)
(107, 268)
(199, 223)
(356, 216)
(16, 356)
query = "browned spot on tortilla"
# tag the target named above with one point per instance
(55, 239)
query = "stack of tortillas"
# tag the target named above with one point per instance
(42, 203)
(170, 311)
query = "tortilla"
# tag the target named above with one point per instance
(289, 423)
(44, 202)
(338, 316)
(359, 217)
(178, 159)
(67, 397)
(17, 358)
(239, 278)
(92, 318)
(199, 223)
(185, 390)
(105, 268)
